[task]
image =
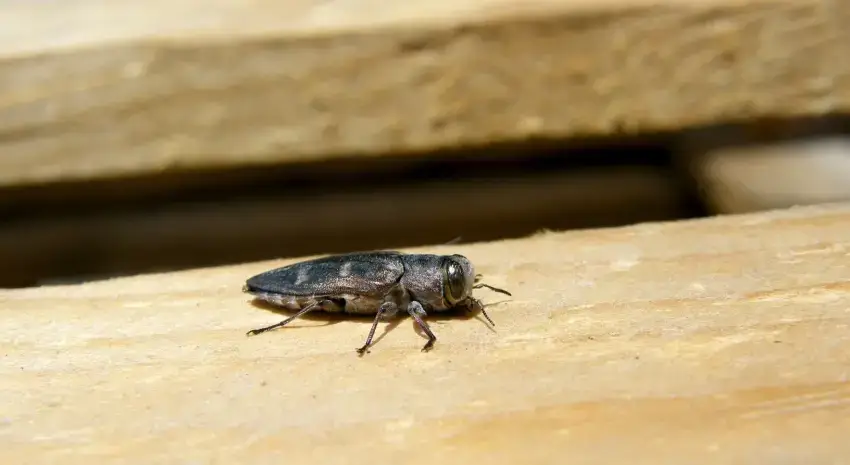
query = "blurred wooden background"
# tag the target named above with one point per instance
(177, 134)
(165, 135)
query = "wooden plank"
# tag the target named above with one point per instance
(722, 340)
(779, 175)
(777, 164)
(120, 88)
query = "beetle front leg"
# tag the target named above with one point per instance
(416, 310)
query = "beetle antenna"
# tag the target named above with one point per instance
(478, 305)
(477, 286)
(484, 312)
(478, 277)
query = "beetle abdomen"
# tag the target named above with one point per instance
(295, 303)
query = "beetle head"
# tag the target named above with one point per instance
(458, 278)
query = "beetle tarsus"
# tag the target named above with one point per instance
(254, 332)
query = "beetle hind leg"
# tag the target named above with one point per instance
(285, 322)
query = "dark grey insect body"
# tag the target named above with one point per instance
(382, 283)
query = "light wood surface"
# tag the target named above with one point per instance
(779, 175)
(772, 165)
(723, 340)
(101, 88)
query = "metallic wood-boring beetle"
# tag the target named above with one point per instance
(380, 283)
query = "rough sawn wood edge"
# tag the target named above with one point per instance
(151, 104)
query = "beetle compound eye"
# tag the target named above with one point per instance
(455, 281)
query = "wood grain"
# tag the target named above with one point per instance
(103, 88)
(722, 340)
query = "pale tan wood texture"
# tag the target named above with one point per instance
(722, 340)
(99, 88)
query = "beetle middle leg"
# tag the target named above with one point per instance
(386, 309)
(396, 298)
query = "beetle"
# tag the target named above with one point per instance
(383, 283)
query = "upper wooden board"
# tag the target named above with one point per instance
(98, 88)
(723, 340)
